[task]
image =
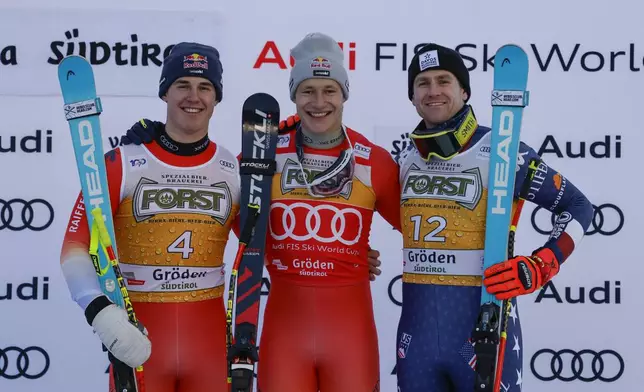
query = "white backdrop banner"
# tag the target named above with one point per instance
(585, 80)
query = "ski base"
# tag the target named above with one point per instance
(82, 109)
(260, 123)
(509, 97)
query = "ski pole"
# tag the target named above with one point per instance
(506, 303)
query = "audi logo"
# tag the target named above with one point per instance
(227, 164)
(605, 365)
(19, 214)
(338, 225)
(608, 219)
(30, 363)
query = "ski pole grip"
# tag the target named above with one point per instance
(249, 224)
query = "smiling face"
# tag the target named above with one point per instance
(319, 103)
(438, 96)
(191, 102)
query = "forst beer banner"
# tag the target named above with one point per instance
(580, 331)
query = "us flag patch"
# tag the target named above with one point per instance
(403, 346)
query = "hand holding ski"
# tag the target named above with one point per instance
(521, 275)
(509, 97)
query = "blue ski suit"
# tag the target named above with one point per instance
(443, 210)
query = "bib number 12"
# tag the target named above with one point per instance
(432, 236)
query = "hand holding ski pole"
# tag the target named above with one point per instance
(521, 275)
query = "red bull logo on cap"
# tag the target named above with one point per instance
(320, 62)
(195, 60)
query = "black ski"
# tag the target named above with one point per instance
(260, 122)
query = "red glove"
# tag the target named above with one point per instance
(521, 275)
(289, 124)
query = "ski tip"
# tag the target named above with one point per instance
(511, 48)
(260, 95)
(262, 98)
(511, 67)
(76, 79)
(512, 56)
(73, 67)
(262, 104)
(73, 62)
(71, 59)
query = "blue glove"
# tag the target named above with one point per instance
(142, 132)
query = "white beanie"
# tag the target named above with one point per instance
(318, 56)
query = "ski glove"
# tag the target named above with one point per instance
(289, 124)
(141, 132)
(521, 275)
(129, 343)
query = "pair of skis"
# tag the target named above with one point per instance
(82, 109)
(260, 124)
(509, 98)
(260, 119)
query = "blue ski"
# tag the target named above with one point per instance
(82, 108)
(509, 98)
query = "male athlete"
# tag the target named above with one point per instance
(330, 180)
(444, 176)
(174, 201)
(319, 332)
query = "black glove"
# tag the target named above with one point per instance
(142, 132)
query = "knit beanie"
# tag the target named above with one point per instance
(433, 56)
(318, 56)
(192, 59)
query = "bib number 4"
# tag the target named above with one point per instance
(433, 235)
(182, 245)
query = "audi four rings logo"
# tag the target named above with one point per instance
(19, 214)
(344, 225)
(608, 219)
(30, 363)
(390, 290)
(569, 365)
